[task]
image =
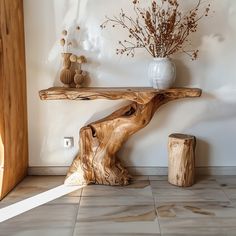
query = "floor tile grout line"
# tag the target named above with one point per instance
(154, 204)
(226, 195)
(222, 189)
(77, 212)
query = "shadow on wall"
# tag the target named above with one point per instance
(203, 153)
(183, 76)
(101, 114)
(160, 120)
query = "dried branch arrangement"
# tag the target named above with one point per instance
(71, 74)
(65, 41)
(162, 28)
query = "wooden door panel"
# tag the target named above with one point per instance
(13, 103)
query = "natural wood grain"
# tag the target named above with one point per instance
(97, 161)
(13, 114)
(139, 95)
(181, 150)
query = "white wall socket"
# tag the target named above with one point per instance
(68, 142)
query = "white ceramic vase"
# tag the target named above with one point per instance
(162, 73)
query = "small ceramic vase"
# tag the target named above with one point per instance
(162, 73)
(67, 74)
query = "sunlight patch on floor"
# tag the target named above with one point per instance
(35, 201)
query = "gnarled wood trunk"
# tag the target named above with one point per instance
(97, 161)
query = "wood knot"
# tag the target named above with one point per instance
(130, 112)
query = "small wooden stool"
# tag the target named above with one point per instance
(181, 150)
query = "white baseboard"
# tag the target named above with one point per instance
(62, 170)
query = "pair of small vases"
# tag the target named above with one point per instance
(69, 76)
(162, 73)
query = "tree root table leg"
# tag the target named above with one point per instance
(97, 161)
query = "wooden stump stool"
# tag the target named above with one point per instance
(181, 149)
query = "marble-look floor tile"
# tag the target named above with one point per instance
(185, 195)
(197, 178)
(46, 218)
(165, 192)
(117, 214)
(49, 231)
(202, 183)
(207, 208)
(228, 184)
(198, 226)
(117, 228)
(136, 188)
(117, 201)
(76, 193)
(140, 177)
(115, 234)
(233, 202)
(195, 210)
(226, 181)
(43, 181)
(231, 193)
(33, 185)
(203, 232)
(21, 193)
(4, 204)
(205, 182)
(158, 177)
(66, 200)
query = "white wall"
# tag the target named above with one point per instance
(212, 118)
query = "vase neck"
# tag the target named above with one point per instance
(161, 58)
(66, 60)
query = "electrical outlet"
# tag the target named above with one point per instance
(68, 142)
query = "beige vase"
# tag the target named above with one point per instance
(67, 74)
(78, 78)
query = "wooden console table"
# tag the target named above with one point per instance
(97, 162)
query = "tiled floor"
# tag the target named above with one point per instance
(149, 206)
